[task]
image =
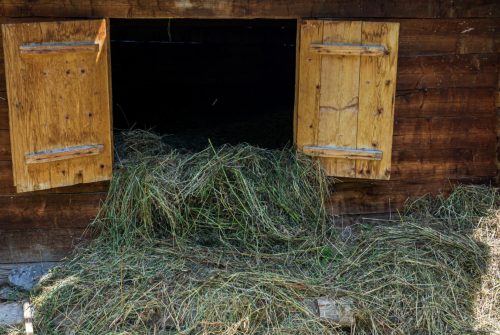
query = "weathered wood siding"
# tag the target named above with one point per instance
(445, 117)
(252, 8)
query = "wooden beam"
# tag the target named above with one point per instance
(58, 48)
(63, 153)
(345, 49)
(251, 9)
(344, 153)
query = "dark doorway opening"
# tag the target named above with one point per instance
(227, 81)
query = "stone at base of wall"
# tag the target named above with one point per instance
(11, 314)
(24, 275)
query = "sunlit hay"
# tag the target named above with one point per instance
(487, 304)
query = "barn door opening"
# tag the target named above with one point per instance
(227, 81)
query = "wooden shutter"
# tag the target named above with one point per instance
(346, 90)
(58, 89)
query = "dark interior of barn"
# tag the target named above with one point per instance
(227, 81)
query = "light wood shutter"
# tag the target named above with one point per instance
(58, 89)
(346, 90)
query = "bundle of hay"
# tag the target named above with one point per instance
(236, 240)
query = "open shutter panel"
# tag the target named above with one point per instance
(59, 102)
(346, 90)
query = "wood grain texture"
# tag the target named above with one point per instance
(468, 71)
(378, 196)
(309, 79)
(5, 146)
(369, 197)
(48, 48)
(44, 227)
(48, 210)
(342, 152)
(3, 83)
(38, 245)
(437, 155)
(251, 9)
(58, 101)
(356, 96)
(449, 36)
(437, 172)
(4, 112)
(7, 184)
(66, 153)
(453, 102)
(339, 97)
(346, 49)
(444, 126)
(377, 88)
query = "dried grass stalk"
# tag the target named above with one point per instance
(234, 240)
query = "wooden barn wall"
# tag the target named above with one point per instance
(445, 118)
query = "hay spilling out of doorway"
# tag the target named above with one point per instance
(235, 240)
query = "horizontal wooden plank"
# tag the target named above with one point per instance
(38, 245)
(251, 9)
(413, 155)
(444, 125)
(48, 210)
(426, 172)
(449, 140)
(444, 71)
(53, 155)
(445, 102)
(345, 153)
(342, 49)
(58, 48)
(377, 197)
(365, 197)
(445, 36)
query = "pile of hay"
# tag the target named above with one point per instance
(234, 240)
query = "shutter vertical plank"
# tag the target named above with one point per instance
(59, 100)
(338, 113)
(346, 95)
(311, 31)
(377, 93)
